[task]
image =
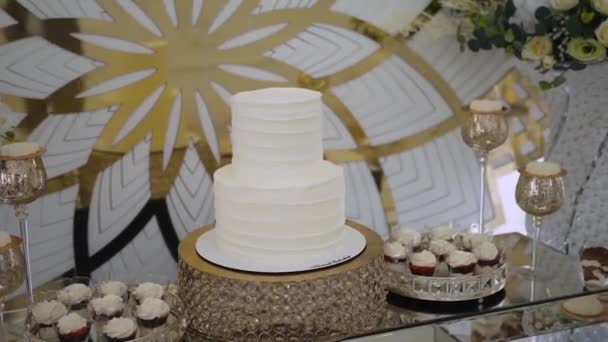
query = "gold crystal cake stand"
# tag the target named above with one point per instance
(309, 306)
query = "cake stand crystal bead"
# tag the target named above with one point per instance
(22, 180)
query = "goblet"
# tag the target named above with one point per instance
(12, 273)
(539, 192)
(22, 180)
(485, 129)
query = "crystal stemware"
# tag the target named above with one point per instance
(22, 180)
(540, 192)
(12, 273)
(484, 130)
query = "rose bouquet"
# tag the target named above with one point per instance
(556, 35)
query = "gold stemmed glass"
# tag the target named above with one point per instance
(22, 180)
(484, 130)
(539, 192)
(12, 273)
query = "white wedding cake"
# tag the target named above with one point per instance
(278, 198)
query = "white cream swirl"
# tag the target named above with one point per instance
(148, 290)
(116, 288)
(152, 308)
(120, 328)
(408, 237)
(471, 240)
(424, 258)
(460, 258)
(5, 239)
(485, 251)
(394, 250)
(108, 305)
(441, 247)
(71, 323)
(74, 294)
(442, 233)
(48, 312)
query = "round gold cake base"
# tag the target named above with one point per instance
(310, 306)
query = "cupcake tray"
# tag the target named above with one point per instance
(401, 281)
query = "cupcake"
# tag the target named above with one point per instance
(152, 312)
(116, 288)
(423, 263)
(461, 263)
(120, 330)
(5, 239)
(486, 254)
(409, 238)
(48, 313)
(394, 252)
(441, 249)
(75, 296)
(73, 328)
(148, 290)
(107, 307)
(471, 240)
(442, 233)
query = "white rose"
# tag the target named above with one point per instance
(600, 6)
(601, 33)
(537, 48)
(563, 5)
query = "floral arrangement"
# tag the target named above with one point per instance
(557, 35)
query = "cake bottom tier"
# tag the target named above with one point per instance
(313, 306)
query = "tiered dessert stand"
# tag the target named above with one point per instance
(317, 305)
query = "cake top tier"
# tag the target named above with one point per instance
(277, 96)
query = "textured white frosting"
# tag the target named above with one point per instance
(394, 249)
(408, 237)
(424, 258)
(120, 328)
(18, 149)
(485, 251)
(148, 290)
(74, 294)
(471, 240)
(70, 323)
(107, 305)
(543, 168)
(152, 308)
(278, 197)
(460, 258)
(441, 247)
(116, 288)
(442, 233)
(48, 312)
(5, 239)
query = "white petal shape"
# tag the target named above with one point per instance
(224, 14)
(273, 5)
(117, 82)
(323, 49)
(120, 192)
(171, 11)
(335, 135)
(69, 139)
(363, 202)
(190, 200)
(34, 68)
(435, 183)
(393, 101)
(113, 43)
(251, 72)
(147, 254)
(51, 222)
(251, 36)
(208, 129)
(197, 6)
(130, 7)
(221, 91)
(139, 113)
(172, 129)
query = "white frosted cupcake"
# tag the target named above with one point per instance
(486, 254)
(409, 238)
(116, 288)
(120, 330)
(5, 239)
(442, 233)
(461, 263)
(394, 252)
(423, 263)
(108, 307)
(441, 248)
(75, 296)
(73, 328)
(148, 290)
(471, 240)
(48, 313)
(152, 312)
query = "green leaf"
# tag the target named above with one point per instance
(587, 16)
(544, 85)
(510, 50)
(558, 81)
(509, 36)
